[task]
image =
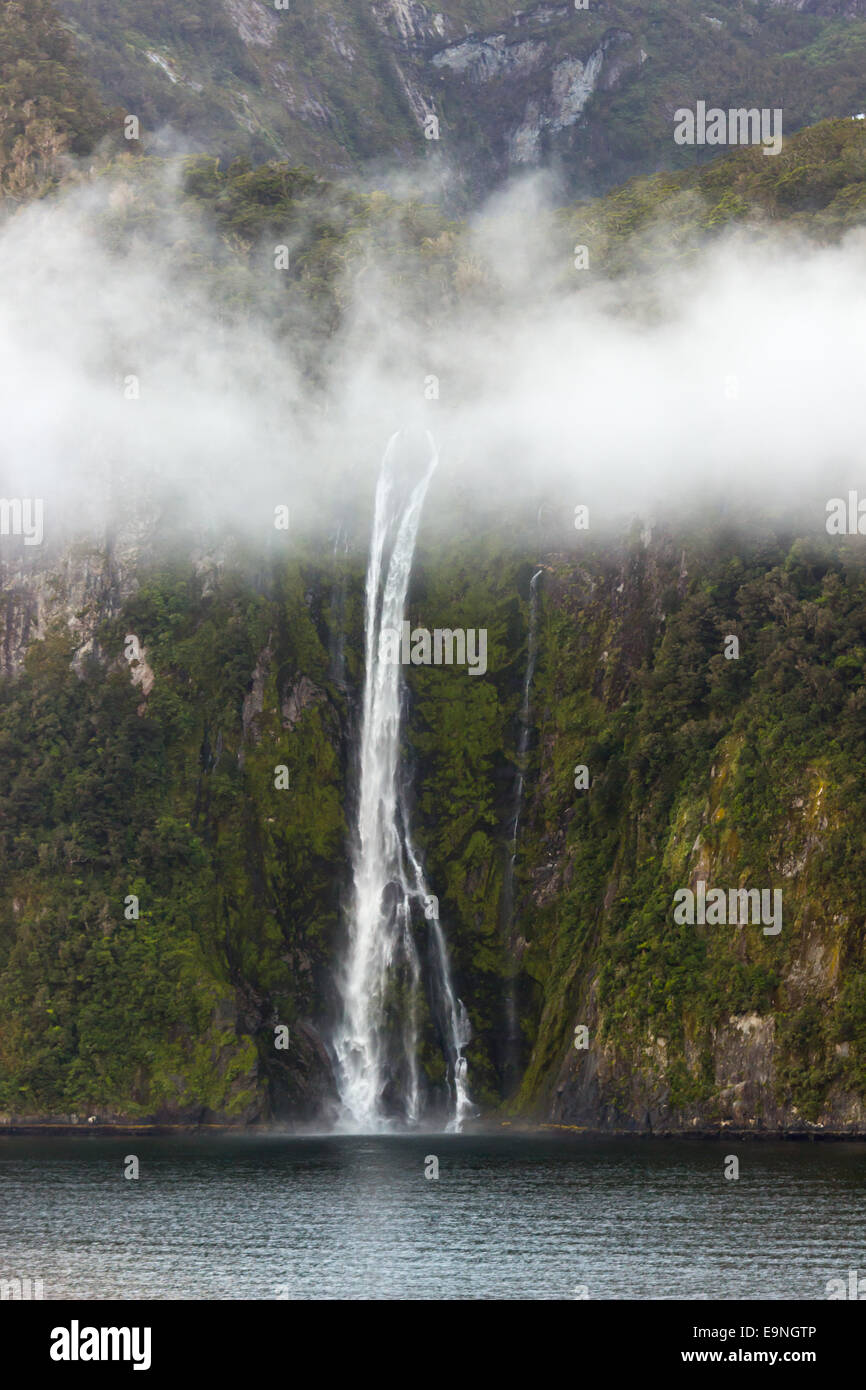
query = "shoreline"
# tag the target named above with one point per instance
(67, 1129)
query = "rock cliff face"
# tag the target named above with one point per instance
(598, 1090)
(85, 586)
(106, 896)
(588, 90)
(716, 1024)
(738, 774)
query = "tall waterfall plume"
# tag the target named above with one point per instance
(376, 1039)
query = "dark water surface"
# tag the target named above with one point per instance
(509, 1217)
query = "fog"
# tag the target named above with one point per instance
(731, 376)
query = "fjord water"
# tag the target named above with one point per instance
(353, 1217)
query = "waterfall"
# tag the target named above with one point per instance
(512, 1030)
(376, 1039)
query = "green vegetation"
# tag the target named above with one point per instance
(107, 794)
(48, 107)
(748, 772)
(816, 188)
(751, 772)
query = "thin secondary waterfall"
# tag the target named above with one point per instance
(512, 1056)
(337, 651)
(376, 1041)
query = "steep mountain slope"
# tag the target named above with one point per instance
(744, 774)
(591, 91)
(48, 107)
(735, 773)
(153, 779)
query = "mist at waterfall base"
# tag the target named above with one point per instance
(661, 394)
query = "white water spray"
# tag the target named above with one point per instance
(376, 1041)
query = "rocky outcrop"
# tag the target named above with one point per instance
(301, 696)
(602, 1089)
(255, 24)
(482, 59)
(77, 590)
(254, 701)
